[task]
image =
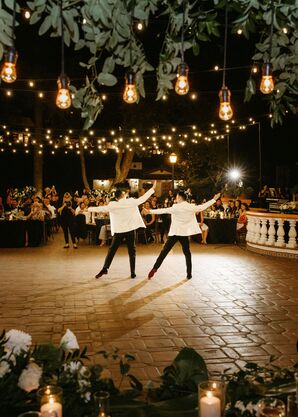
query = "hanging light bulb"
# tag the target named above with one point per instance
(225, 110)
(8, 71)
(63, 99)
(130, 94)
(267, 83)
(182, 85)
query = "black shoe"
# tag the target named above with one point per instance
(132, 275)
(101, 273)
(189, 276)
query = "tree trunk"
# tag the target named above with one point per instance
(122, 166)
(83, 168)
(38, 157)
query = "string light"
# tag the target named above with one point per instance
(27, 14)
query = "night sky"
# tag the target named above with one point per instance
(39, 59)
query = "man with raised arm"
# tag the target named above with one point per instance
(125, 218)
(183, 225)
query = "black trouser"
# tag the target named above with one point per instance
(130, 243)
(69, 225)
(168, 246)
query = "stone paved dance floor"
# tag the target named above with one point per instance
(238, 306)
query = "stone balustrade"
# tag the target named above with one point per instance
(272, 234)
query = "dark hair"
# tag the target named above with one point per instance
(182, 195)
(118, 194)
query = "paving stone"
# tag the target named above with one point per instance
(238, 307)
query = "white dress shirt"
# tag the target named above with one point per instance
(184, 221)
(124, 213)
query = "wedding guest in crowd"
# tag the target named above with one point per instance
(203, 228)
(183, 225)
(149, 220)
(230, 210)
(237, 208)
(218, 206)
(67, 220)
(242, 219)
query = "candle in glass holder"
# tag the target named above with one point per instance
(271, 407)
(209, 405)
(51, 407)
(50, 401)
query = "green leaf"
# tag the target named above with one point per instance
(45, 26)
(106, 79)
(5, 38)
(109, 65)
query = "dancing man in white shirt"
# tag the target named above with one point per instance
(125, 218)
(183, 225)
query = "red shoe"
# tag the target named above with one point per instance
(151, 273)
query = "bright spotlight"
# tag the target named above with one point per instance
(234, 174)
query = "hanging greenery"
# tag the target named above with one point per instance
(105, 28)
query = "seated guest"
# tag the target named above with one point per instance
(37, 212)
(242, 219)
(50, 208)
(204, 229)
(218, 206)
(230, 210)
(149, 220)
(103, 234)
(237, 208)
(83, 209)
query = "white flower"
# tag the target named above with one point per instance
(29, 378)
(251, 407)
(87, 396)
(18, 341)
(240, 405)
(69, 341)
(4, 368)
(72, 366)
(84, 372)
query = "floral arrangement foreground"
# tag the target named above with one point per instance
(25, 368)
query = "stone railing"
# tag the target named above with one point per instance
(272, 234)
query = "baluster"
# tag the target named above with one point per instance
(271, 232)
(250, 224)
(263, 230)
(280, 234)
(292, 235)
(257, 230)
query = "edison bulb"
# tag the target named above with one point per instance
(63, 99)
(182, 84)
(267, 83)
(130, 94)
(225, 110)
(9, 71)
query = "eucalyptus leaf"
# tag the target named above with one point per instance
(106, 79)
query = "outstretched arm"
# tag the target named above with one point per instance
(99, 209)
(167, 210)
(202, 207)
(145, 197)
